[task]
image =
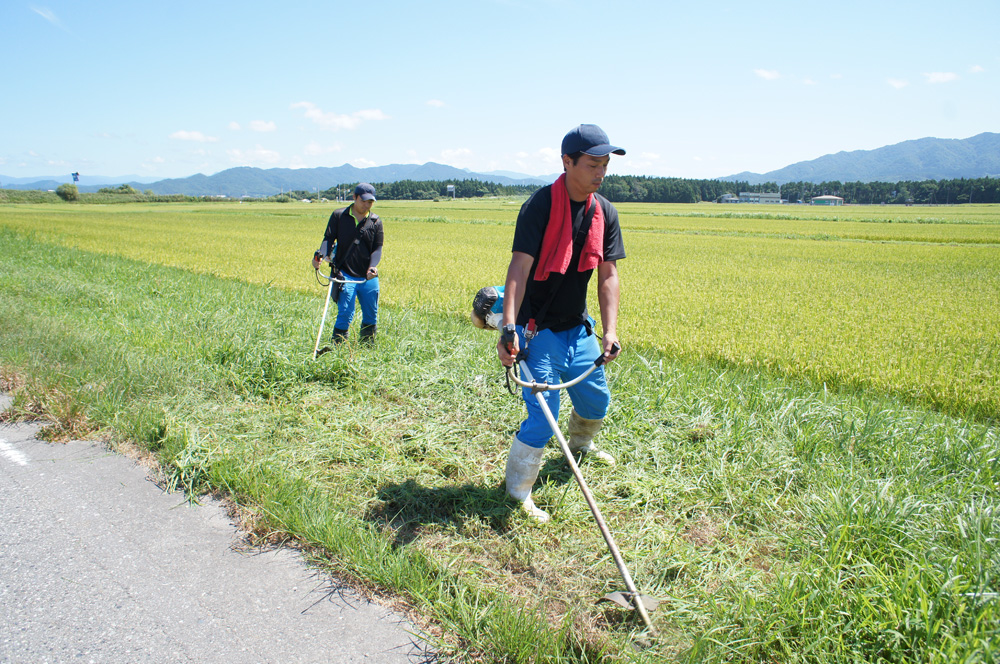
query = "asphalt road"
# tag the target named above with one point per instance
(98, 564)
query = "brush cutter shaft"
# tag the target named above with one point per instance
(326, 306)
(588, 496)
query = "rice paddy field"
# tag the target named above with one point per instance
(804, 416)
(902, 300)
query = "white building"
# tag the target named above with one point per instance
(753, 197)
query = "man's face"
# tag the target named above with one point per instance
(362, 208)
(586, 175)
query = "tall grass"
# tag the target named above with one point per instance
(778, 520)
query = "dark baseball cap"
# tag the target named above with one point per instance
(589, 139)
(365, 191)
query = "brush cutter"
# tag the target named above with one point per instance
(333, 282)
(640, 603)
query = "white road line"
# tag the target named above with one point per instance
(12, 453)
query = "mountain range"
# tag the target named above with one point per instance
(256, 182)
(916, 160)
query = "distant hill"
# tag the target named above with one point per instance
(921, 159)
(246, 181)
(44, 182)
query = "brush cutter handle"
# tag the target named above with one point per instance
(507, 336)
(615, 349)
(544, 387)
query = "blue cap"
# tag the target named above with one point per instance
(365, 191)
(589, 139)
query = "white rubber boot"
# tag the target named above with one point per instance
(523, 464)
(581, 437)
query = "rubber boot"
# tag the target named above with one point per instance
(339, 336)
(367, 334)
(523, 464)
(581, 437)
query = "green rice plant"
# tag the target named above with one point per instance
(807, 293)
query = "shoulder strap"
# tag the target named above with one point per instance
(350, 250)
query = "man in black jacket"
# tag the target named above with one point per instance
(353, 245)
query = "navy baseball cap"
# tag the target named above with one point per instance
(365, 191)
(589, 139)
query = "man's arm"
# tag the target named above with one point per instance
(513, 295)
(326, 247)
(608, 291)
(376, 257)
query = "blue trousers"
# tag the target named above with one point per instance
(366, 293)
(556, 357)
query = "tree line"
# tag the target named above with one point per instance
(646, 189)
(642, 189)
(420, 190)
(924, 192)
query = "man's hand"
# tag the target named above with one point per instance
(372, 273)
(316, 260)
(508, 347)
(612, 349)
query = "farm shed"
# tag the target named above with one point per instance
(754, 197)
(827, 200)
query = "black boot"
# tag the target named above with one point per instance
(367, 334)
(339, 336)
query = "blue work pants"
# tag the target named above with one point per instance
(366, 293)
(557, 357)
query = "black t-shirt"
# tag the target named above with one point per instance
(569, 306)
(343, 228)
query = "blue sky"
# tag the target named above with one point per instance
(699, 90)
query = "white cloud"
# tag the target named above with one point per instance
(543, 161)
(976, 69)
(258, 155)
(436, 103)
(836, 76)
(195, 136)
(456, 156)
(363, 163)
(235, 126)
(49, 16)
(767, 74)
(940, 76)
(808, 81)
(315, 149)
(260, 125)
(897, 83)
(337, 121)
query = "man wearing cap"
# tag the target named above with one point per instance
(354, 234)
(564, 232)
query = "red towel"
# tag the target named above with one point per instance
(557, 243)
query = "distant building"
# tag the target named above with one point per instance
(753, 197)
(729, 198)
(827, 200)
